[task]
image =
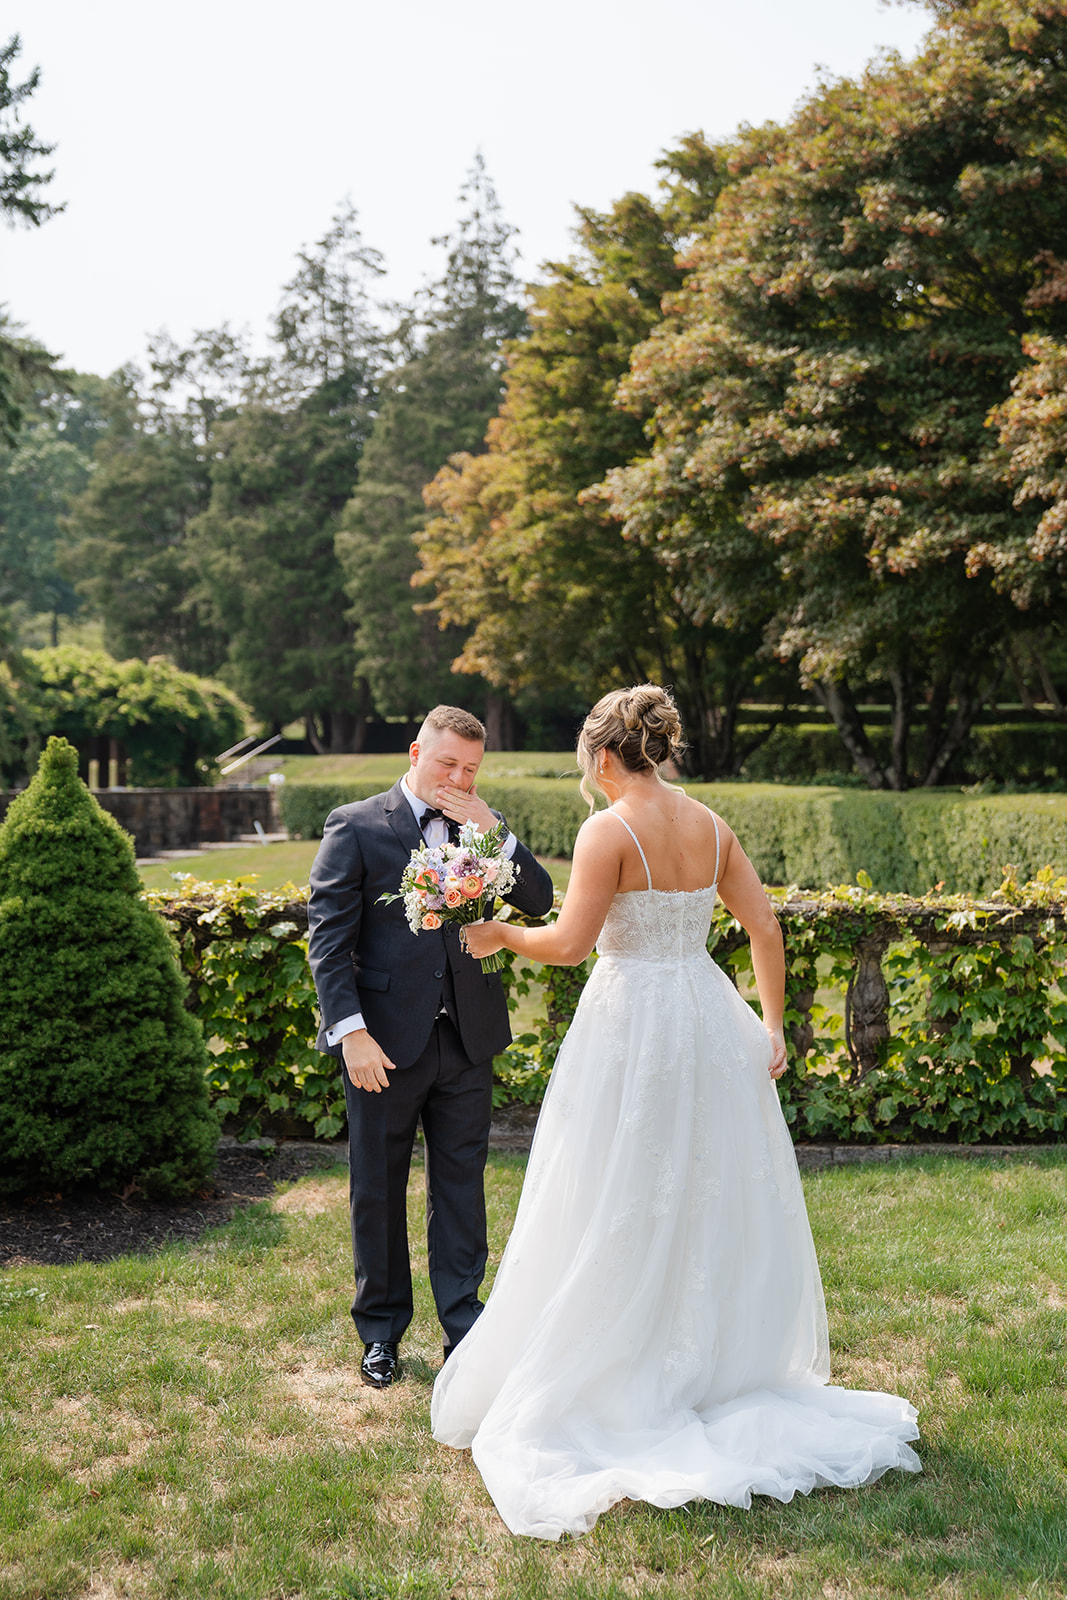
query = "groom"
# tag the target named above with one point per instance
(417, 1024)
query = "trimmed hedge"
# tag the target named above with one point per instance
(907, 843)
(546, 813)
(1016, 752)
(808, 836)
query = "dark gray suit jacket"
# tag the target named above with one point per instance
(364, 957)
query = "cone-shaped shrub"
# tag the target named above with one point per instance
(102, 1070)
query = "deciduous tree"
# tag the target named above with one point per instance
(821, 390)
(554, 596)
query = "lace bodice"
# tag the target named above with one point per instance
(658, 924)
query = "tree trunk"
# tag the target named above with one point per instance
(838, 701)
(936, 712)
(970, 699)
(499, 722)
(312, 734)
(1047, 684)
(900, 682)
(342, 732)
(1018, 672)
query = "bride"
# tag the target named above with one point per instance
(657, 1330)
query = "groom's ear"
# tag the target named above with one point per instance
(413, 752)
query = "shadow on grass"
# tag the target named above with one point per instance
(253, 1231)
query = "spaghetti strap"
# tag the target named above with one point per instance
(718, 846)
(637, 842)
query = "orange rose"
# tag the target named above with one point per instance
(431, 920)
(472, 887)
(453, 897)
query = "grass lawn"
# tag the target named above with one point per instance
(191, 1423)
(273, 865)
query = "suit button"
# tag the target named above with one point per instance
(438, 974)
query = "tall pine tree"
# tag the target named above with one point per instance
(283, 470)
(126, 544)
(438, 400)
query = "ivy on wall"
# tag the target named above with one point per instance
(910, 1019)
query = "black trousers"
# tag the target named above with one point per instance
(454, 1097)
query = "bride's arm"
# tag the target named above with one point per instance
(567, 941)
(744, 897)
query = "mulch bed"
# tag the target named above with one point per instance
(54, 1230)
(58, 1229)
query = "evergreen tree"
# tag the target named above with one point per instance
(284, 467)
(102, 1069)
(39, 478)
(125, 537)
(437, 401)
(21, 200)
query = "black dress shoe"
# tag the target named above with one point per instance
(380, 1364)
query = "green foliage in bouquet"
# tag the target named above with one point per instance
(102, 1069)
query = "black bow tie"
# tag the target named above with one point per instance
(431, 814)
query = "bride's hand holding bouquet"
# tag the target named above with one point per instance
(482, 939)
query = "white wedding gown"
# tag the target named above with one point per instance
(657, 1329)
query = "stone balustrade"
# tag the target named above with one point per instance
(180, 819)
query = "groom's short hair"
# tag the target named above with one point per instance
(452, 719)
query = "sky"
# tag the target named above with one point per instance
(199, 146)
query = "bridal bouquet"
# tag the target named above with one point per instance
(455, 882)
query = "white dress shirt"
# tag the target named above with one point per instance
(435, 833)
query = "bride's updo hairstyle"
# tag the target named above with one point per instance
(641, 726)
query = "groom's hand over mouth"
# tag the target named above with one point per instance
(366, 1062)
(465, 806)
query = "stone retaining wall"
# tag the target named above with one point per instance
(180, 819)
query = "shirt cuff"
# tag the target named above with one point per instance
(350, 1024)
(509, 846)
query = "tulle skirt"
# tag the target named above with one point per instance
(657, 1329)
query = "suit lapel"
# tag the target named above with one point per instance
(401, 819)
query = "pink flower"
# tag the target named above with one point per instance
(472, 887)
(453, 897)
(431, 920)
(490, 872)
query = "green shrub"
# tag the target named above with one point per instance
(1025, 753)
(976, 1011)
(102, 1069)
(305, 806)
(171, 723)
(799, 834)
(907, 843)
(545, 813)
(254, 995)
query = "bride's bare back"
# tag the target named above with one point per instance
(678, 837)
